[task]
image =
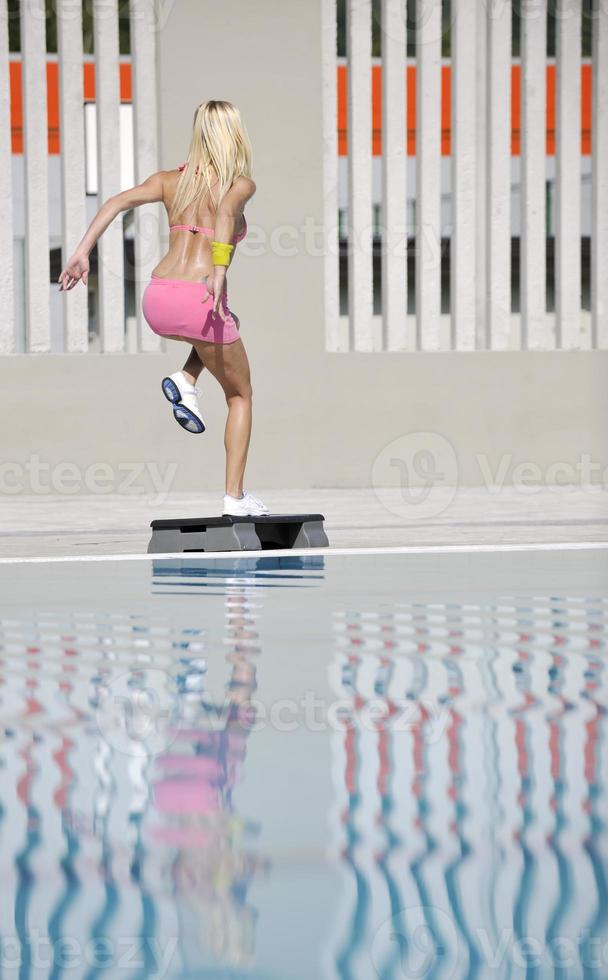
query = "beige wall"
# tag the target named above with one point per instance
(320, 419)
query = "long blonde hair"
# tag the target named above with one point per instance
(219, 140)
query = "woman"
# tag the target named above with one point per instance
(187, 298)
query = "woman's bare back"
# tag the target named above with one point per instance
(189, 255)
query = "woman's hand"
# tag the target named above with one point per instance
(215, 286)
(77, 268)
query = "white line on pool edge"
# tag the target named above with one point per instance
(283, 552)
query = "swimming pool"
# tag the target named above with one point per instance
(305, 767)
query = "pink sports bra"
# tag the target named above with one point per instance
(208, 231)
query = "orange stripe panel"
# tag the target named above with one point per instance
(52, 89)
(446, 77)
(126, 95)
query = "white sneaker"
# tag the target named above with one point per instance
(184, 398)
(244, 506)
(257, 501)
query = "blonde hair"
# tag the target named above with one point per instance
(219, 141)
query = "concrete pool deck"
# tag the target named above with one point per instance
(110, 524)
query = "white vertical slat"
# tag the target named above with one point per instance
(336, 335)
(148, 217)
(481, 102)
(568, 173)
(428, 172)
(110, 245)
(35, 144)
(396, 335)
(599, 177)
(498, 183)
(360, 284)
(7, 303)
(464, 185)
(535, 331)
(73, 189)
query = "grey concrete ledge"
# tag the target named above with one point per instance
(106, 524)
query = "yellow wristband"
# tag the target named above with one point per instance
(222, 253)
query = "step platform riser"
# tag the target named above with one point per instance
(281, 531)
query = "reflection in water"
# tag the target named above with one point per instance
(192, 786)
(472, 799)
(150, 827)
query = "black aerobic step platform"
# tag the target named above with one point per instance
(238, 533)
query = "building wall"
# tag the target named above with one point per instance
(320, 419)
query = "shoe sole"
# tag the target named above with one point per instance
(227, 513)
(265, 513)
(182, 415)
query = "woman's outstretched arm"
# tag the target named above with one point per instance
(77, 267)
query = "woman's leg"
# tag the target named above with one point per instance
(193, 367)
(230, 365)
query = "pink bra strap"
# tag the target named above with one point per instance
(197, 228)
(192, 228)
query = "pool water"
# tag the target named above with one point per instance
(372, 766)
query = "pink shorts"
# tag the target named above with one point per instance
(180, 308)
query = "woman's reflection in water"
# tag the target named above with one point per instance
(193, 796)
